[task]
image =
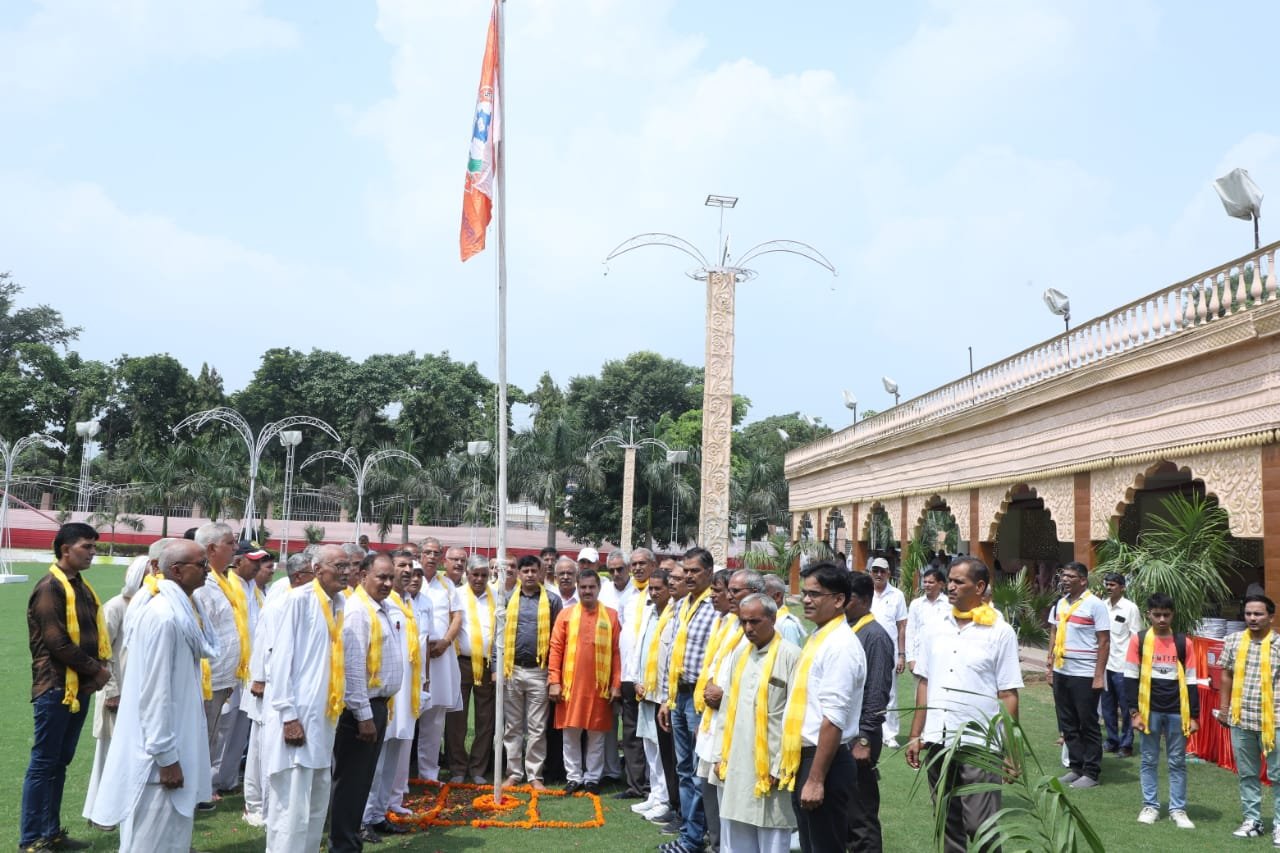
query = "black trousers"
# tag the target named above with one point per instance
(667, 752)
(965, 815)
(1076, 702)
(864, 808)
(823, 830)
(354, 763)
(553, 768)
(636, 771)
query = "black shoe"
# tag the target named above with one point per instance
(207, 806)
(572, 787)
(591, 787)
(386, 827)
(628, 795)
(1126, 752)
(368, 836)
(671, 828)
(62, 841)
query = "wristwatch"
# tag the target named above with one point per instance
(862, 741)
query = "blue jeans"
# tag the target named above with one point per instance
(1175, 747)
(57, 731)
(1114, 716)
(684, 725)
(1247, 746)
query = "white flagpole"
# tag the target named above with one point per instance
(500, 158)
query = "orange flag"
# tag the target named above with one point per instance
(477, 197)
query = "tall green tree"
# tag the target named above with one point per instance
(546, 458)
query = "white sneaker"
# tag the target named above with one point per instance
(1150, 814)
(1181, 820)
(662, 814)
(644, 806)
(1275, 836)
(254, 819)
(1249, 829)
(891, 743)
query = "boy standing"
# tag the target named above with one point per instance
(1161, 695)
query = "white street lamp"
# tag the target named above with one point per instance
(891, 387)
(629, 446)
(360, 470)
(290, 439)
(676, 458)
(87, 430)
(9, 455)
(1058, 303)
(851, 402)
(1241, 198)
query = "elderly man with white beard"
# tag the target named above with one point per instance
(158, 763)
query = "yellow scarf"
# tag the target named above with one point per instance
(544, 631)
(1268, 699)
(1144, 685)
(985, 614)
(728, 646)
(637, 615)
(717, 649)
(761, 707)
(651, 654)
(1060, 637)
(603, 651)
(474, 632)
(71, 691)
(688, 607)
(794, 719)
(337, 672)
(866, 620)
(415, 653)
(373, 660)
(240, 609)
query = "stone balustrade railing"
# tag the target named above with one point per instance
(1225, 291)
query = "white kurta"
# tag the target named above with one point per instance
(298, 685)
(103, 720)
(221, 619)
(446, 678)
(161, 717)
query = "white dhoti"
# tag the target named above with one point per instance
(299, 801)
(255, 782)
(154, 825)
(394, 753)
(890, 727)
(95, 775)
(745, 838)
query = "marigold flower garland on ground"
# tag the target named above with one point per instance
(433, 809)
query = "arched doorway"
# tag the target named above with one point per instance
(1026, 537)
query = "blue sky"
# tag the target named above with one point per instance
(214, 177)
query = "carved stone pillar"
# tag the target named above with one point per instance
(717, 416)
(1271, 518)
(1084, 520)
(628, 496)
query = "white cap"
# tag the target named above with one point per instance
(879, 563)
(589, 553)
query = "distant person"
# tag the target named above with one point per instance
(890, 609)
(70, 655)
(1126, 621)
(1079, 643)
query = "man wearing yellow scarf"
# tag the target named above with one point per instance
(1246, 703)
(1162, 698)
(373, 665)
(755, 814)
(821, 720)
(967, 668)
(654, 643)
(69, 653)
(633, 607)
(584, 678)
(231, 737)
(305, 686)
(530, 615)
(226, 615)
(475, 650)
(1079, 644)
(877, 645)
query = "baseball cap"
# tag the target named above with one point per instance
(589, 553)
(880, 563)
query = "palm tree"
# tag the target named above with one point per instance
(779, 554)
(758, 492)
(164, 479)
(112, 514)
(217, 477)
(545, 458)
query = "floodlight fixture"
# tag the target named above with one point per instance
(1241, 198)
(783, 434)
(677, 457)
(478, 448)
(290, 437)
(88, 429)
(729, 201)
(851, 403)
(1060, 304)
(891, 387)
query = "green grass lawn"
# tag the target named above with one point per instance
(906, 815)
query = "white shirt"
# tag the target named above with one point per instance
(444, 599)
(567, 601)
(217, 611)
(1126, 622)
(356, 636)
(482, 615)
(298, 684)
(834, 688)
(890, 608)
(161, 716)
(610, 595)
(633, 616)
(964, 668)
(921, 615)
(443, 672)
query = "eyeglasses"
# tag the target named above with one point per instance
(342, 567)
(808, 593)
(202, 564)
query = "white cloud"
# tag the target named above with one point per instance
(71, 48)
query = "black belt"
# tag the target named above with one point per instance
(379, 700)
(683, 689)
(530, 663)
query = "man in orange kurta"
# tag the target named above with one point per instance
(588, 708)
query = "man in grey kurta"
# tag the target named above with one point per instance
(877, 645)
(751, 823)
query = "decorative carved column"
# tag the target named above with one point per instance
(904, 532)
(975, 522)
(717, 416)
(1084, 520)
(1271, 518)
(628, 496)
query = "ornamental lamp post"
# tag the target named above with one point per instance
(9, 455)
(629, 447)
(360, 470)
(721, 280)
(87, 430)
(290, 439)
